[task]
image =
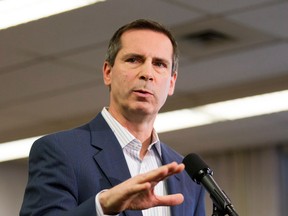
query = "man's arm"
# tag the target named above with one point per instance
(52, 187)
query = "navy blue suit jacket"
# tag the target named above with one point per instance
(67, 170)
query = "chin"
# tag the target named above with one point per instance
(142, 110)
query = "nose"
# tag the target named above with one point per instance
(146, 72)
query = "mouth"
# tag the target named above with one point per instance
(143, 92)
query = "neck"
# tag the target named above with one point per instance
(140, 128)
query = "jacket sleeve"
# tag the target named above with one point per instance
(52, 185)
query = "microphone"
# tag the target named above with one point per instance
(199, 171)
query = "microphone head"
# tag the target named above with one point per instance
(196, 167)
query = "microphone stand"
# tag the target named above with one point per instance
(219, 212)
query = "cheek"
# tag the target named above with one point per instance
(122, 76)
(171, 86)
(171, 90)
(118, 77)
(120, 83)
(164, 90)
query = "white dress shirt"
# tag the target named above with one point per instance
(131, 148)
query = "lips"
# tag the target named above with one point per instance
(143, 92)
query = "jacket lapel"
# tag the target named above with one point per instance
(109, 155)
(173, 182)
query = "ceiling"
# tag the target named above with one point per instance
(50, 69)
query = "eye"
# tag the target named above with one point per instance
(133, 59)
(160, 64)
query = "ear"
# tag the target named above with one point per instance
(172, 83)
(107, 70)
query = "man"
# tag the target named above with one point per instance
(116, 165)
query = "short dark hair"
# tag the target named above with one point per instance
(115, 41)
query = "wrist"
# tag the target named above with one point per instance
(105, 203)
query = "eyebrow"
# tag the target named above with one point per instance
(133, 55)
(162, 60)
(158, 59)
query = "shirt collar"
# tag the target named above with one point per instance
(123, 135)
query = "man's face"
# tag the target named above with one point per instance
(141, 79)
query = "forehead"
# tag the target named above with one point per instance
(147, 42)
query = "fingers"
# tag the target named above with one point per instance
(161, 173)
(170, 200)
(147, 181)
(138, 192)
